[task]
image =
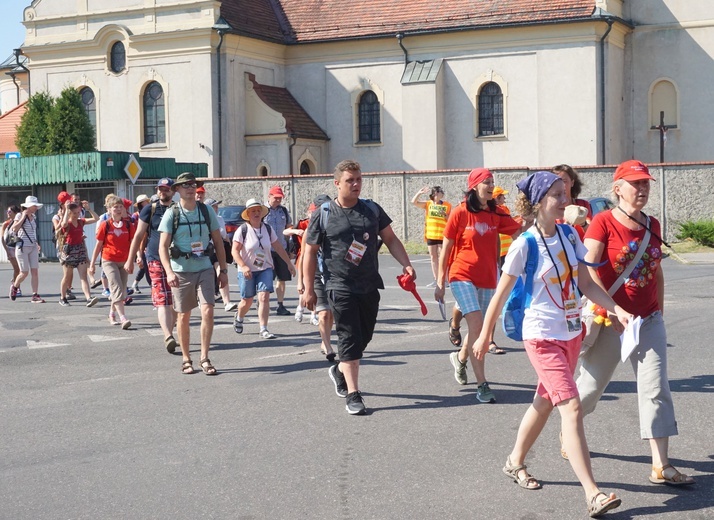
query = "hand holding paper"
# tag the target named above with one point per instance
(630, 338)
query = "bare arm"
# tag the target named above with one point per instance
(164, 244)
(446, 247)
(221, 256)
(135, 245)
(415, 199)
(310, 266)
(659, 277)
(592, 286)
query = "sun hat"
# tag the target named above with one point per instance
(31, 200)
(632, 171)
(536, 185)
(141, 198)
(575, 215)
(211, 202)
(252, 203)
(498, 190)
(477, 176)
(165, 183)
(185, 178)
(276, 191)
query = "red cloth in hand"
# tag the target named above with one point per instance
(406, 282)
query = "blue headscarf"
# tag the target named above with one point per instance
(536, 185)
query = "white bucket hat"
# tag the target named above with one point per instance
(31, 201)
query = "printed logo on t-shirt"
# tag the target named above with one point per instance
(560, 278)
(482, 228)
(644, 271)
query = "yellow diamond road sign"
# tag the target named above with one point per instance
(133, 169)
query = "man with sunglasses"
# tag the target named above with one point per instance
(186, 230)
(147, 238)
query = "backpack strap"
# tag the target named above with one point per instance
(244, 229)
(531, 265)
(203, 209)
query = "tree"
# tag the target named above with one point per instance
(69, 129)
(51, 126)
(32, 133)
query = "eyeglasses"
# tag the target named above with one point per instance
(189, 185)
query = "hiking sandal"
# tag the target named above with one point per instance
(495, 349)
(678, 479)
(187, 367)
(454, 334)
(527, 482)
(598, 508)
(207, 368)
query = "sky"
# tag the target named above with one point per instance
(12, 32)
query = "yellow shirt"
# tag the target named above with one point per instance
(436, 216)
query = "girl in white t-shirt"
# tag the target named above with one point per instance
(552, 331)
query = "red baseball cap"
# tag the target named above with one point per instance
(63, 197)
(276, 191)
(632, 171)
(200, 189)
(127, 203)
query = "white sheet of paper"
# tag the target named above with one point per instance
(631, 337)
(442, 310)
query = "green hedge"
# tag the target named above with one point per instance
(701, 231)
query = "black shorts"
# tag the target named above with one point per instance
(355, 319)
(431, 242)
(280, 268)
(321, 293)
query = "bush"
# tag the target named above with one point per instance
(701, 231)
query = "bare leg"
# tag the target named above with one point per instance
(263, 308)
(34, 279)
(434, 257)
(82, 270)
(184, 334)
(66, 280)
(474, 320)
(167, 319)
(326, 320)
(571, 419)
(280, 290)
(350, 369)
(456, 317)
(244, 307)
(206, 329)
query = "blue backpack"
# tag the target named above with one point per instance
(520, 298)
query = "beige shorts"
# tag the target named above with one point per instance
(194, 287)
(117, 278)
(28, 257)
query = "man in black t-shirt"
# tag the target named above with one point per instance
(347, 231)
(147, 235)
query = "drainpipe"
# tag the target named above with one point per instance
(603, 133)
(18, 53)
(400, 37)
(292, 136)
(221, 27)
(13, 75)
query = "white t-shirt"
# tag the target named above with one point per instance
(256, 247)
(545, 318)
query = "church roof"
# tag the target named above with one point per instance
(305, 21)
(9, 122)
(297, 121)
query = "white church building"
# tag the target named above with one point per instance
(277, 87)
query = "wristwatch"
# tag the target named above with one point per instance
(224, 271)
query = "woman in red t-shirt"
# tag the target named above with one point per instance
(470, 255)
(114, 237)
(73, 253)
(614, 237)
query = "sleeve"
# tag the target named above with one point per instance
(314, 234)
(452, 225)
(238, 234)
(384, 219)
(597, 230)
(288, 218)
(507, 225)
(166, 224)
(101, 230)
(213, 224)
(145, 214)
(515, 263)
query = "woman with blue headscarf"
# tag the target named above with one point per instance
(551, 332)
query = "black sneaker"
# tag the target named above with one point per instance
(339, 379)
(63, 302)
(70, 296)
(282, 311)
(355, 404)
(237, 326)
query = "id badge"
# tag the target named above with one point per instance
(259, 261)
(197, 249)
(572, 315)
(355, 252)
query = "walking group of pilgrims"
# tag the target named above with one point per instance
(594, 274)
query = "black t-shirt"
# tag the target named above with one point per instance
(343, 226)
(152, 246)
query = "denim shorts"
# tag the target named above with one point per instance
(260, 281)
(471, 298)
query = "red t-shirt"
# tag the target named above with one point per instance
(117, 241)
(475, 255)
(638, 295)
(75, 235)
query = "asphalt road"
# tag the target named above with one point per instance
(99, 423)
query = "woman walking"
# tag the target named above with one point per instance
(73, 253)
(470, 256)
(6, 233)
(618, 237)
(551, 331)
(27, 251)
(437, 214)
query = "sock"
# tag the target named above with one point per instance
(263, 327)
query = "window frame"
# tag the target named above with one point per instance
(111, 65)
(477, 86)
(145, 119)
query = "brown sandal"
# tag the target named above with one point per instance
(454, 334)
(207, 368)
(495, 349)
(598, 508)
(527, 482)
(678, 479)
(187, 367)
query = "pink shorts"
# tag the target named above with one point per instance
(554, 361)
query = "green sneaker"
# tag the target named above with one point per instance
(459, 368)
(484, 394)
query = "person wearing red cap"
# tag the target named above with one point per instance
(470, 256)
(201, 194)
(64, 200)
(279, 219)
(617, 237)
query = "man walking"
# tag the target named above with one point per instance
(346, 229)
(278, 218)
(147, 233)
(186, 230)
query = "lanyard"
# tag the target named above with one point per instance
(188, 222)
(365, 235)
(555, 266)
(259, 236)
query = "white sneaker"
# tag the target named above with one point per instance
(315, 320)
(431, 285)
(230, 307)
(298, 314)
(266, 334)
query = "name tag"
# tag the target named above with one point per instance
(259, 261)
(355, 252)
(572, 315)
(197, 249)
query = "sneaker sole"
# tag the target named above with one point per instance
(363, 411)
(332, 377)
(126, 325)
(92, 302)
(489, 401)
